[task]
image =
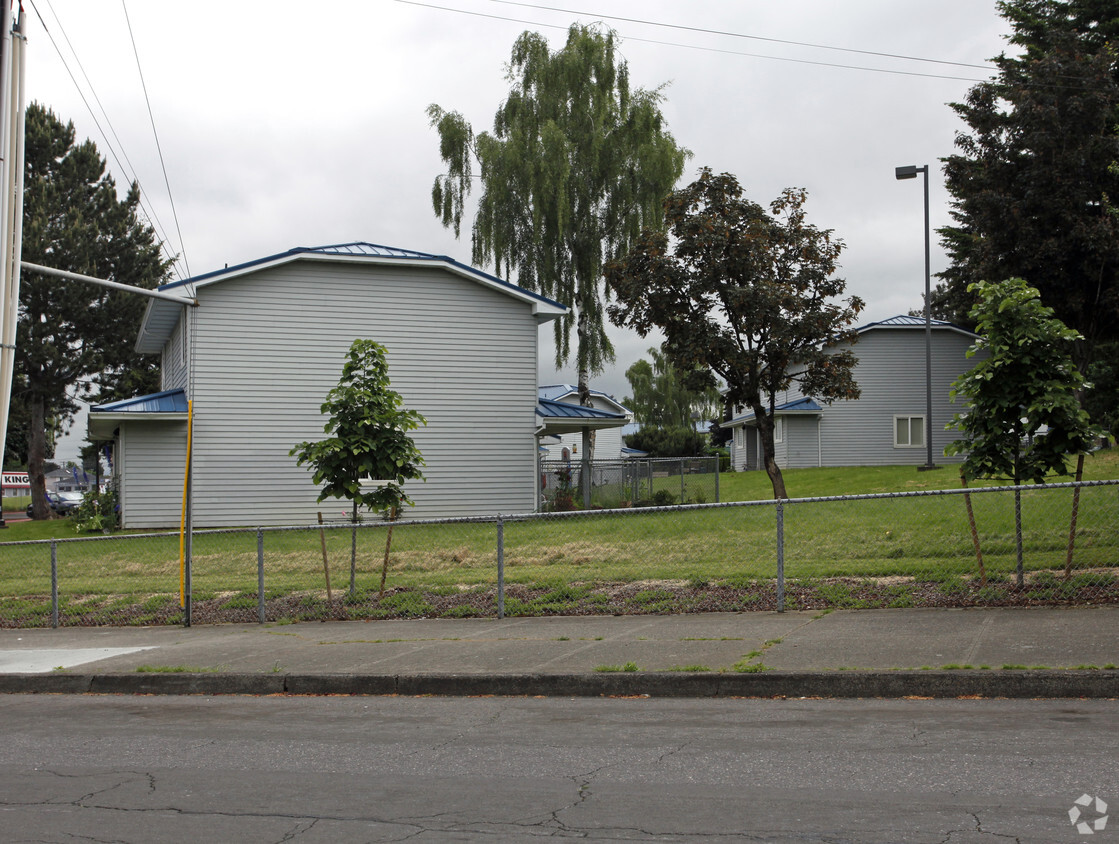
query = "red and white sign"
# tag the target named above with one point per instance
(16, 479)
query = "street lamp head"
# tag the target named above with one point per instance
(908, 172)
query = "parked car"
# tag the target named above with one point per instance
(61, 502)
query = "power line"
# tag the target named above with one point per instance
(729, 34)
(709, 49)
(155, 134)
(838, 65)
(128, 171)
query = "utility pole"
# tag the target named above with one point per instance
(11, 208)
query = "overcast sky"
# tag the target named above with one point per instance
(287, 124)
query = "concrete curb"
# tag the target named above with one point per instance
(826, 684)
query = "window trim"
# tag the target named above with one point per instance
(910, 417)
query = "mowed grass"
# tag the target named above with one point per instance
(923, 537)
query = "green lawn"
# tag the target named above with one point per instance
(925, 538)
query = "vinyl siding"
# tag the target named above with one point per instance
(149, 471)
(891, 376)
(269, 346)
(173, 364)
(801, 442)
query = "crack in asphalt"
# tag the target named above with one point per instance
(978, 830)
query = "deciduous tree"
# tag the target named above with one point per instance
(747, 295)
(576, 165)
(369, 440)
(661, 397)
(1023, 419)
(74, 336)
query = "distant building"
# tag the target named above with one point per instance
(886, 424)
(608, 444)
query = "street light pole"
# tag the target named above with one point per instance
(910, 172)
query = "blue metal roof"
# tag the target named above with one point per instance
(558, 391)
(803, 405)
(549, 409)
(169, 401)
(907, 321)
(356, 249)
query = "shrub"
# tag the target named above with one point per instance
(97, 512)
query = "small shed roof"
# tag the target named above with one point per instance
(558, 392)
(557, 417)
(802, 406)
(162, 315)
(169, 405)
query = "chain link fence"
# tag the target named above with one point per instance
(636, 482)
(998, 546)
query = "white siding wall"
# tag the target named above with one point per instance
(151, 458)
(891, 376)
(269, 347)
(174, 368)
(802, 443)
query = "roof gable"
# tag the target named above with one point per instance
(558, 392)
(162, 315)
(911, 322)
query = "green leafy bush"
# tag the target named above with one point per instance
(98, 512)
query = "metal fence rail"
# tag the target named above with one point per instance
(636, 482)
(936, 548)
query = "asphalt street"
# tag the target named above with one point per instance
(318, 769)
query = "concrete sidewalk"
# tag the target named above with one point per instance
(1007, 652)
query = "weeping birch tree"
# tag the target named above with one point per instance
(577, 164)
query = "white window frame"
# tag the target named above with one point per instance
(910, 417)
(778, 429)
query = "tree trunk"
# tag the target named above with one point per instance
(765, 433)
(36, 458)
(388, 546)
(974, 531)
(588, 435)
(1075, 512)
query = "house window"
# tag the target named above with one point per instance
(778, 429)
(909, 432)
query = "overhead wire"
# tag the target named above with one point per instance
(765, 56)
(729, 34)
(867, 69)
(155, 134)
(129, 171)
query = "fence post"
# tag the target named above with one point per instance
(260, 573)
(780, 556)
(54, 584)
(353, 553)
(500, 568)
(188, 570)
(682, 501)
(718, 466)
(1021, 572)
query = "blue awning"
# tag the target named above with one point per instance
(805, 405)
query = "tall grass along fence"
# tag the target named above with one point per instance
(947, 548)
(637, 482)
